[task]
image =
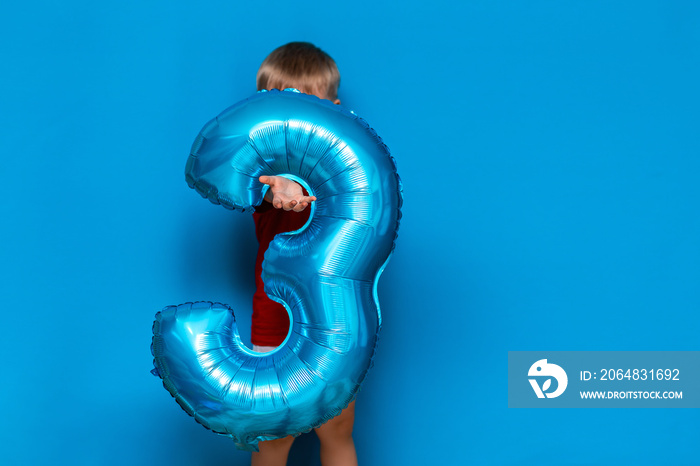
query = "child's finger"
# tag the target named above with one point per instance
(289, 205)
(269, 180)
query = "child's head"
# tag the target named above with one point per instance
(303, 66)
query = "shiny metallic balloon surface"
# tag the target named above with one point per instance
(325, 274)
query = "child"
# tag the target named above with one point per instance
(307, 68)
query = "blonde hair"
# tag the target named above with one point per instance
(300, 65)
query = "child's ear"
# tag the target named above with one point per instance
(336, 101)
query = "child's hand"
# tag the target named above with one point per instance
(285, 194)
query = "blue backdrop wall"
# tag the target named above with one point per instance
(549, 153)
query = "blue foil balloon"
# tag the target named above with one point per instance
(325, 274)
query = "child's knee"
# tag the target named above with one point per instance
(338, 428)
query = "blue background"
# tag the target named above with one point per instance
(549, 153)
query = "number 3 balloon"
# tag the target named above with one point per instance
(325, 274)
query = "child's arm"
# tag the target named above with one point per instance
(285, 193)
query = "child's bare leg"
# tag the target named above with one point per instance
(272, 452)
(337, 447)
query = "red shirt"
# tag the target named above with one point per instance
(270, 322)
